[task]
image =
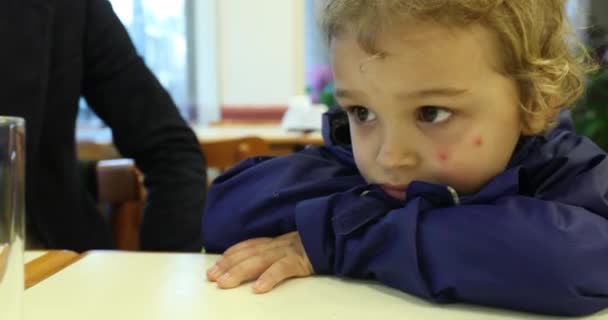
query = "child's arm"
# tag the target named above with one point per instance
(257, 199)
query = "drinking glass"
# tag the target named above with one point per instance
(12, 216)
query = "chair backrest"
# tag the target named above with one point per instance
(225, 153)
(88, 150)
(120, 192)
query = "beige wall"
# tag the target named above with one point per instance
(260, 51)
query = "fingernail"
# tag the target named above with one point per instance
(213, 272)
(225, 278)
(259, 285)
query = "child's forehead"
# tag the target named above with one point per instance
(452, 71)
(430, 45)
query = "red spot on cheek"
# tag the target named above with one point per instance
(443, 156)
(478, 142)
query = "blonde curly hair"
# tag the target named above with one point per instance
(535, 37)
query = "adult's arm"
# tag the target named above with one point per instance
(147, 127)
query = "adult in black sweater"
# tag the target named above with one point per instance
(54, 52)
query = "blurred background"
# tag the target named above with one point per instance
(237, 60)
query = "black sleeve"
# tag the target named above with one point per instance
(146, 126)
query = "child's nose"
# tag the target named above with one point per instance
(395, 154)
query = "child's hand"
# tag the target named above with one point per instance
(270, 260)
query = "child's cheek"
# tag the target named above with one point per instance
(458, 164)
(444, 154)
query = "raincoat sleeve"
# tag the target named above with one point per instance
(257, 197)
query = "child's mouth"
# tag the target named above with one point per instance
(395, 191)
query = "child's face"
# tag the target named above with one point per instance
(433, 109)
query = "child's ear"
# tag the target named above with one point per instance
(533, 124)
(538, 122)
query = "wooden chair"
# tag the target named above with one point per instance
(120, 194)
(223, 154)
(88, 150)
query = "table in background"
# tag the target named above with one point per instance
(280, 140)
(131, 285)
(96, 144)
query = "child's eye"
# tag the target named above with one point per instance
(434, 114)
(361, 114)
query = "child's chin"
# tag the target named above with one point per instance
(396, 194)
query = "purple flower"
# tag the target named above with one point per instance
(319, 77)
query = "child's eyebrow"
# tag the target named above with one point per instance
(346, 94)
(424, 93)
(432, 92)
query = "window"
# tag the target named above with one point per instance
(158, 30)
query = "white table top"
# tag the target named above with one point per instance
(114, 285)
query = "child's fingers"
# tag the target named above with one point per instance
(272, 260)
(226, 262)
(243, 250)
(246, 244)
(214, 272)
(288, 267)
(249, 269)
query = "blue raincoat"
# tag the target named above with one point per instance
(535, 238)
